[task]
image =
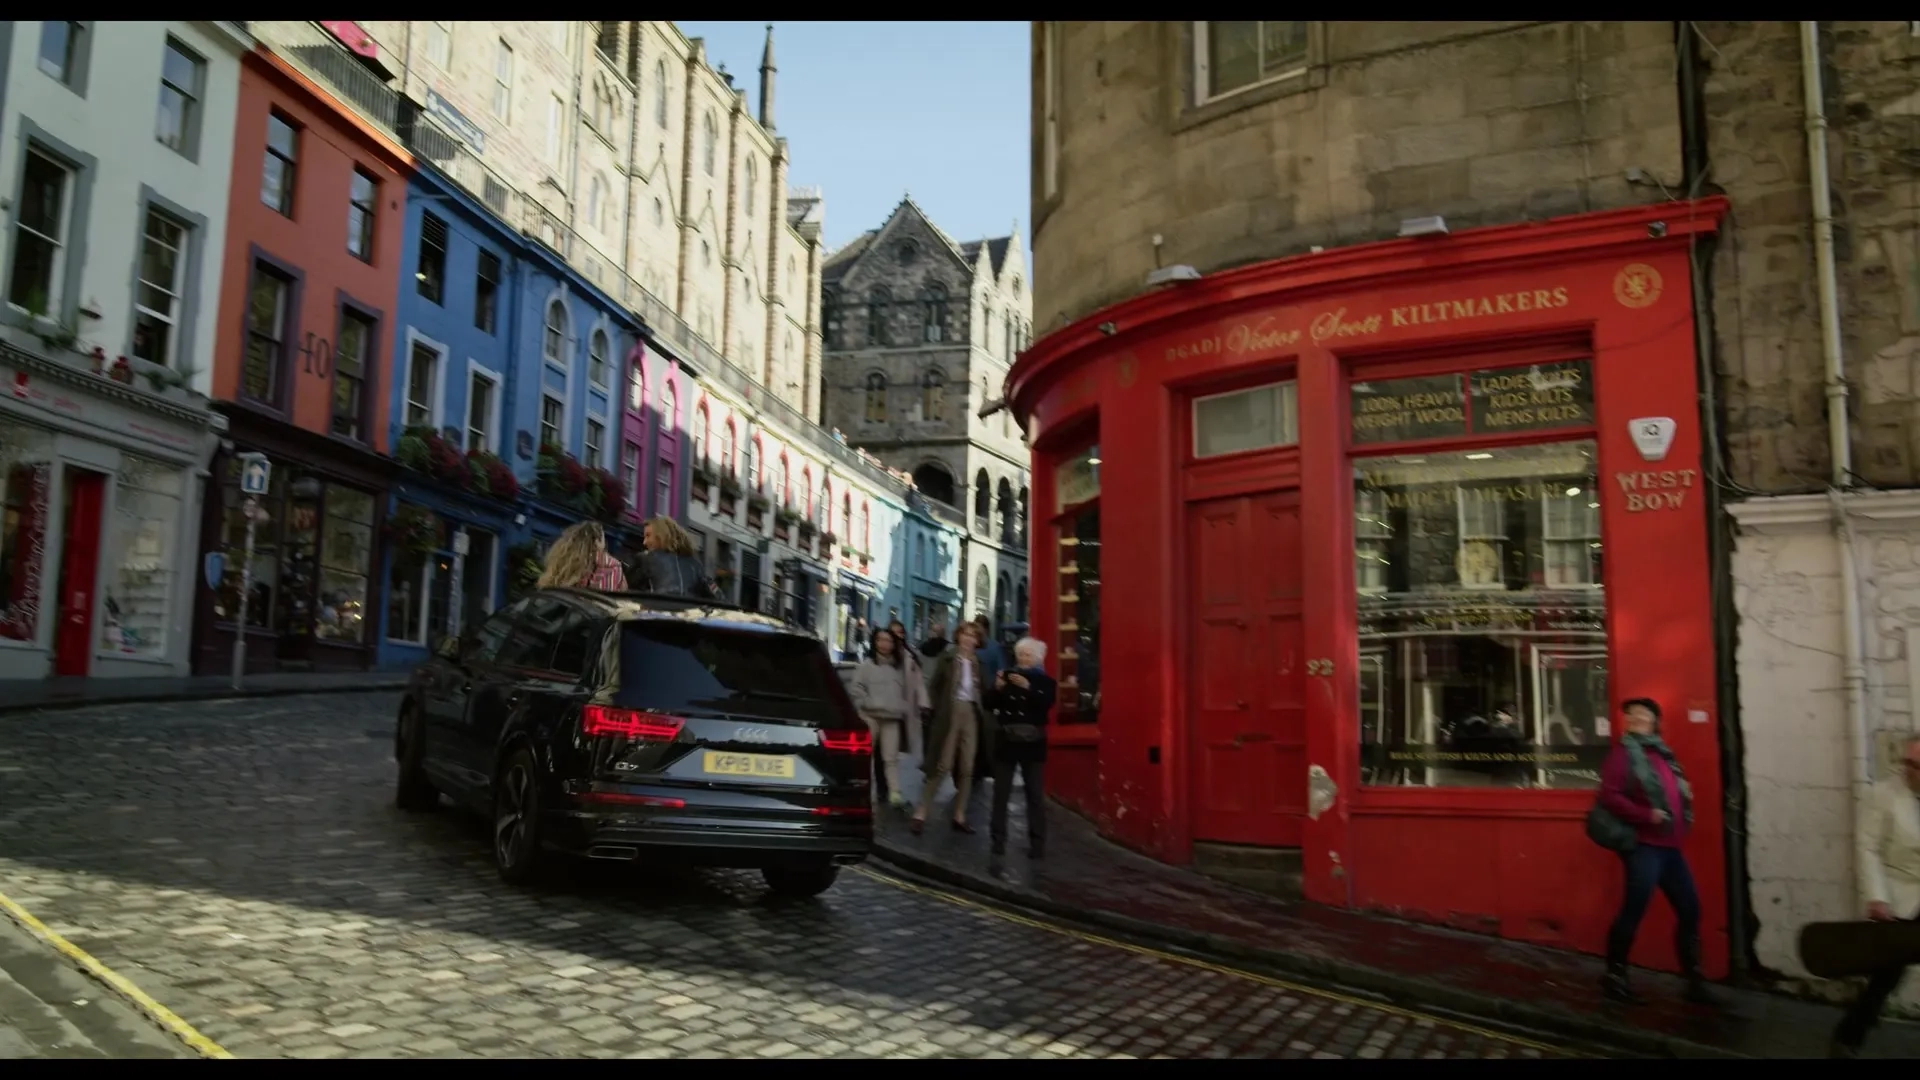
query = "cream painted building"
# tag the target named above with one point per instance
(116, 142)
(643, 165)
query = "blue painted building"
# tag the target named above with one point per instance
(502, 356)
(930, 545)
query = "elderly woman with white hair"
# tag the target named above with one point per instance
(1019, 702)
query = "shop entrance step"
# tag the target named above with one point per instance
(1275, 872)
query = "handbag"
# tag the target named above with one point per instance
(1609, 831)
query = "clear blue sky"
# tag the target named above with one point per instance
(874, 110)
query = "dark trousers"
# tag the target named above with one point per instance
(1650, 867)
(1864, 1014)
(1032, 779)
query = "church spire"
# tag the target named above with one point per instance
(767, 70)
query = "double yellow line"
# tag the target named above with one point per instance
(114, 981)
(1175, 958)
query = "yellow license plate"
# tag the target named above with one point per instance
(768, 766)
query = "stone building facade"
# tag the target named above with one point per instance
(649, 168)
(1213, 146)
(919, 332)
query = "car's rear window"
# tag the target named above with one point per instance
(669, 666)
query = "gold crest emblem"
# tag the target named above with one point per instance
(1129, 370)
(1637, 285)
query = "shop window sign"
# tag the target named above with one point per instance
(141, 534)
(1490, 401)
(1482, 618)
(26, 498)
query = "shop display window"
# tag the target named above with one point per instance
(346, 557)
(1482, 617)
(419, 584)
(26, 490)
(1076, 529)
(476, 578)
(140, 539)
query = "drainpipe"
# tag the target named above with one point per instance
(1839, 436)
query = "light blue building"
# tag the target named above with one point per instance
(931, 547)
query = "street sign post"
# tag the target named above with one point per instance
(254, 474)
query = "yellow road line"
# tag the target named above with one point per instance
(1176, 958)
(114, 981)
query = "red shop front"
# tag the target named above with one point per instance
(1358, 552)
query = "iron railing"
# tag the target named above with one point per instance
(315, 51)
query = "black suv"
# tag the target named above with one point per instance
(617, 725)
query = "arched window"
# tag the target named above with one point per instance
(701, 451)
(636, 386)
(660, 102)
(597, 358)
(985, 340)
(935, 316)
(1020, 601)
(935, 482)
(1023, 521)
(1008, 317)
(933, 395)
(780, 490)
(669, 408)
(877, 304)
(597, 203)
(726, 451)
(603, 108)
(1000, 600)
(846, 518)
(821, 511)
(982, 499)
(710, 153)
(1004, 512)
(919, 554)
(876, 398)
(982, 587)
(556, 342)
(608, 41)
(753, 465)
(753, 178)
(865, 528)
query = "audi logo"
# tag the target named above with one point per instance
(752, 735)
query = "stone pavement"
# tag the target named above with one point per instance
(245, 867)
(1088, 879)
(33, 695)
(49, 1009)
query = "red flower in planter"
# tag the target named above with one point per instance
(447, 462)
(613, 496)
(493, 475)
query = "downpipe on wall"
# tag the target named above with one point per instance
(1839, 434)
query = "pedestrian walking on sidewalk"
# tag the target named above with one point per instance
(957, 688)
(1643, 786)
(888, 691)
(1020, 700)
(578, 559)
(1887, 860)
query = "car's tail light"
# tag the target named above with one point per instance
(843, 811)
(629, 723)
(852, 741)
(623, 799)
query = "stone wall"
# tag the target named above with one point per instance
(1483, 123)
(1765, 299)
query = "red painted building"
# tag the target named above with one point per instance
(308, 298)
(1390, 553)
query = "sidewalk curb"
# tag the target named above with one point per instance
(371, 686)
(1398, 988)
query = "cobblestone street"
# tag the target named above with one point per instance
(242, 863)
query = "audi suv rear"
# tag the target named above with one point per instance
(622, 726)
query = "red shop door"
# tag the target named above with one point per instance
(1248, 671)
(79, 569)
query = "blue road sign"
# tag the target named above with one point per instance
(253, 476)
(215, 567)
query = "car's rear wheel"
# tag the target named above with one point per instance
(516, 819)
(800, 882)
(412, 790)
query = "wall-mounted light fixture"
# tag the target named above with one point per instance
(1423, 226)
(1169, 274)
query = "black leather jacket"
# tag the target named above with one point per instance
(673, 575)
